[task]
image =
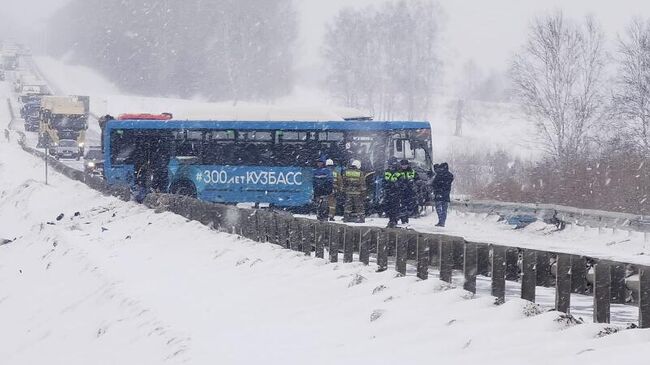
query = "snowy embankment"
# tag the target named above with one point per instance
(113, 282)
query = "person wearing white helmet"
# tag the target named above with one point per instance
(336, 191)
(354, 187)
(323, 187)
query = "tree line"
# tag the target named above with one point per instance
(382, 59)
(218, 49)
(591, 108)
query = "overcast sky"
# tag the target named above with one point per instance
(485, 30)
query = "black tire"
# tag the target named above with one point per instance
(185, 188)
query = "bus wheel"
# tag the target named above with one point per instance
(185, 188)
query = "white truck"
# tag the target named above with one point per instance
(63, 119)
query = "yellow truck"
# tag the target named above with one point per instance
(63, 124)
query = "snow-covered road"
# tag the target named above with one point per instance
(113, 282)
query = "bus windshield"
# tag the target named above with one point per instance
(413, 146)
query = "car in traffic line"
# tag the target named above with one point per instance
(94, 161)
(66, 148)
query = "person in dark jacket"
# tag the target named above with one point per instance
(323, 188)
(406, 186)
(102, 125)
(441, 190)
(391, 192)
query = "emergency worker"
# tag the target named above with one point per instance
(391, 192)
(406, 186)
(336, 189)
(102, 125)
(323, 187)
(354, 187)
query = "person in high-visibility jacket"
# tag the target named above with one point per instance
(391, 201)
(354, 187)
(406, 184)
(336, 191)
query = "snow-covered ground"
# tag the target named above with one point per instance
(113, 282)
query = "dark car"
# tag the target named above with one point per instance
(94, 161)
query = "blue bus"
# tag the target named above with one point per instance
(255, 161)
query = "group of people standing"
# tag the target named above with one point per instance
(400, 191)
(331, 183)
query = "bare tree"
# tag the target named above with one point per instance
(558, 79)
(385, 59)
(632, 95)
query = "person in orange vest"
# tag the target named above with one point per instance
(354, 187)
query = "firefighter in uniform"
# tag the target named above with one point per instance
(354, 187)
(336, 188)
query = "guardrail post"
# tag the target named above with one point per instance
(434, 249)
(423, 244)
(602, 279)
(563, 283)
(470, 267)
(258, 230)
(578, 274)
(411, 248)
(258, 221)
(392, 242)
(483, 259)
(265, 215)
(273, 232)
(382, 250)
(364, 245)
(284, 234)
(446, 261)
(336, 241)
(512, 269)
(309, 237)
(459, 248)
(528, 275)
(351, 240)
(543, 269)
(618, 290)
(401, 252)
(322, 239)
(498, 273)
(644, 297)
(295, 235)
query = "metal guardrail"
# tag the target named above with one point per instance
(558, 214)
(606, 280)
